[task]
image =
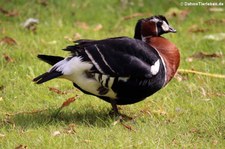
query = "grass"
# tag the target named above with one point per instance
(186, 114)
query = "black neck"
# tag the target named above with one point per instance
(137, 31)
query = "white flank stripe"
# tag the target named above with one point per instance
(93, 61)
(111, 81)
(104, 77)
(103, 58)
(124, 79)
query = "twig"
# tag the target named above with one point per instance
(201, 73)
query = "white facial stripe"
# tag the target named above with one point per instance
(155, 20)
(165, 26)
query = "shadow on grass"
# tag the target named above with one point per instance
(87, 117)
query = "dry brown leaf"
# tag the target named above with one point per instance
(202, 55)
(68, 102)
(43, 2)
(146, 111)
(7, 13)
(12, 13)
(196, 29)
(57, 91)
(215, 21)
(215, 142)
(8, 40)
(21, 147)
(135, 15)
(194, 130)
(82, 25)
(160, 112)
(128, 127)
(175, 12)
(8, 58)
(98, 27)
(75, 37)
(70, 129)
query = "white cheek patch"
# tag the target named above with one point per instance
(165, 26)
(155, 67)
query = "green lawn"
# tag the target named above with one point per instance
(188, 113)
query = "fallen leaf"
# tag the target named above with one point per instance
(2, 135)
(98, 27)
(57, 91)
(8, 40)
(194, 130)
(75, 37)
(146, 111)
(215, 21)
(31, 24)
(43, 2)
(127, 126)
(215, 142)
(160, 112)
(135, 15)
(56, 133)
(3, 11)
(68, 102)
(82, 25)
(202, 55)
(8, 58)
(70, 129)
(216, 9)
(175, 12)
(1, 100)
(21, 147)
(216, 37)
(7, 13)
(12, 13)
(196, 29)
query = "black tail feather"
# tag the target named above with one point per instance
(46, 77)
(52, 60)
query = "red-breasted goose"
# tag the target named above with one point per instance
(119, 70)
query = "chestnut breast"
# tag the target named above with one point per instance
(169, 52)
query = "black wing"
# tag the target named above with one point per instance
(119, 57)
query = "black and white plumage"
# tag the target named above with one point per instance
(118, 70)
(123, 69)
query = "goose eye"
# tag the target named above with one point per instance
(160, 23)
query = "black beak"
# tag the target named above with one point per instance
(172, 30)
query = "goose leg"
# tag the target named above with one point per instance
(114, 107)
